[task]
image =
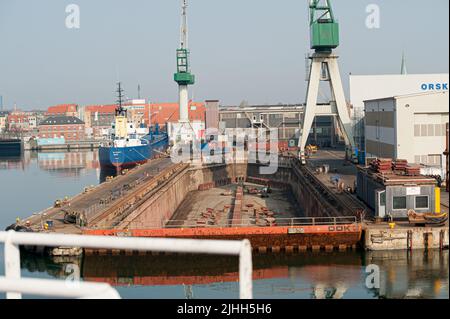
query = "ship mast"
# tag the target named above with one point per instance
(120, 111)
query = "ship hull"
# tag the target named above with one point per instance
(10, 148)
(123, 157)
(127, 157)
(158, 143)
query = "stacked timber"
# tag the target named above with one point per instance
(413, 170)
(265, 217)
(208, 218)
(382, 165)
(400, 165)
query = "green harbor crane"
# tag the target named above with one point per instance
(324, 68)
(183, 129)
(183, 75)
(324, 28)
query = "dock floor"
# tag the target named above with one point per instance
(221, 200)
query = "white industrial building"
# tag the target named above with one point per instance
(411, 127)
(369, 87)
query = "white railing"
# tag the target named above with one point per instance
(15, 286)
(57, 288)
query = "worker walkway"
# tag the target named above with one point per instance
(335, 177)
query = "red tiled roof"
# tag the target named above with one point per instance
(101, 108)
(62, 108)
(162, 113)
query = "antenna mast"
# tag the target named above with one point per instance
(119, 109)
(184, 28)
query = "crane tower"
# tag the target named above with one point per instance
(324, 67)
(183, 77)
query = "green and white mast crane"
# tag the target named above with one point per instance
(324, 67)
(183, 77)
(324, 28)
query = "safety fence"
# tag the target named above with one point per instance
(14, 285)
(247, 222)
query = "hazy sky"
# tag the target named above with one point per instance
(240, 49)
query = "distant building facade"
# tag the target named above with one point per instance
(370, 87)
(136, 112)
(163, 113)
(212, 114)
(411, 127)
(21, 122)
(70, 128)
(98, 119)
(286, 118)
(3, 121)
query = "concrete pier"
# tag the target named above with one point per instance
(94, 203)
(405, 237)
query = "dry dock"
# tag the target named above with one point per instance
(295, 209)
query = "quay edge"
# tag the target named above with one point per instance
(377, 238)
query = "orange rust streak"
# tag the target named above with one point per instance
(228, 231)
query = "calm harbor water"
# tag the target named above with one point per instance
(33, 182)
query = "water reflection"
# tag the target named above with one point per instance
(53, 160)
(19, 161)
(416, 274)
(68, 163)
(41, 178)
(60, 163)
(309, 275)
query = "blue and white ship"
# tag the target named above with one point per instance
(128, 145)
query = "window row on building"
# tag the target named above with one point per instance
(60, 128)
(431, 159)
(420, 202)
(429, 130)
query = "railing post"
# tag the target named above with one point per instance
(12, 263)
(13, 241)
(245, 271)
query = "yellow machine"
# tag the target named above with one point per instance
(437, 195)
(312, 149)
